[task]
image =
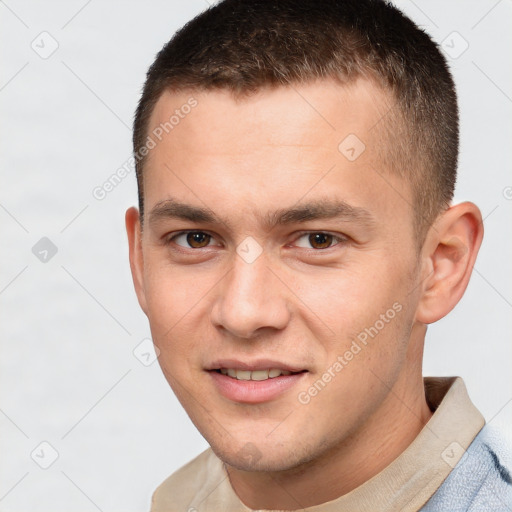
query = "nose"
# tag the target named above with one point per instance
(251, 300)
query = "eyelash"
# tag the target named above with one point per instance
(337, 239)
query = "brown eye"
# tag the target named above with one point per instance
(320, 240)
(197, 239)
(192, 239)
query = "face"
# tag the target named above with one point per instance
(277, 267)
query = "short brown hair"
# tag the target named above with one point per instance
(245, 45)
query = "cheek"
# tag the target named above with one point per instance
(360, 313)
(178, 305)
(174, 291)
(348, 300)
(362, 363)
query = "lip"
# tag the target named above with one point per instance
(253, 391)
(258, 364)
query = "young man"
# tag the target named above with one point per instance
(295, 236)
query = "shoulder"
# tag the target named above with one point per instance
(482, 479)
(178, 491)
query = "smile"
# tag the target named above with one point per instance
(254, 385)
(259, 375)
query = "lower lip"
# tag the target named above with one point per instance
(254, 391)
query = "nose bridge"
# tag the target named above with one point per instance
(251, 298)
(249, 279)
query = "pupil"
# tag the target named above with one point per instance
(320, 240)
(198, 239)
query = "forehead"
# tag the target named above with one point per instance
(279, 114)
(320, 139)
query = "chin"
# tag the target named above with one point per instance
(254, 456)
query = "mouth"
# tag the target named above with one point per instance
(257, 375)
(252, 384)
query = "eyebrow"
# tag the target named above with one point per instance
(314, 210)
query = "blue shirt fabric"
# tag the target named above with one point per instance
(481, 481)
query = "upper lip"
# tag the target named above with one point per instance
(259, 364)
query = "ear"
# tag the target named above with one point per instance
(448, 255)
(133, 230)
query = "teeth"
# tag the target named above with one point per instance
(259, 375)
(243, 374)
(272, 373)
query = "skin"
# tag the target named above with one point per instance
(243, 159)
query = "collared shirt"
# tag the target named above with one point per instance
(406, 484)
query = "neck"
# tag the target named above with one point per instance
(356, 459)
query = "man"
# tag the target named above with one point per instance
(295, 236)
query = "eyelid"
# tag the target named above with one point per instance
(172, 236)
(338, 236)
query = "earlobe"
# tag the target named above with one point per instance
(448, 255)
(133, 230)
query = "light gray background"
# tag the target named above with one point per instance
(70, 325)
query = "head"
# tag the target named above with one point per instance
(295, 164)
